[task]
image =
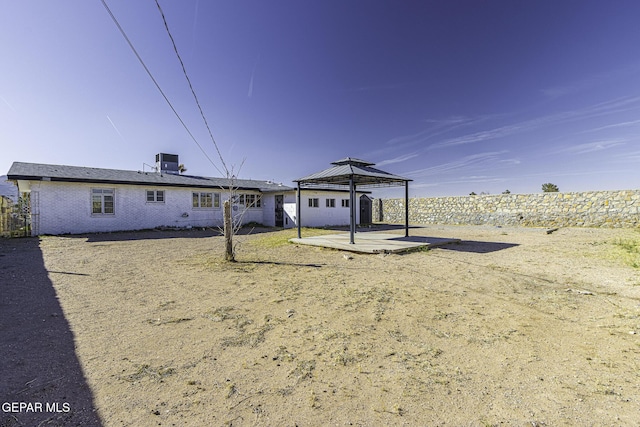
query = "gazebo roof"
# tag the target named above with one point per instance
(362, 173)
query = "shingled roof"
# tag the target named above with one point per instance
(63, 173)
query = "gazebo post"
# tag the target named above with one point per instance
(352, 204)
(406, 209)
(298, 209)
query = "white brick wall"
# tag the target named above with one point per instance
(322, 215)
(66, 208)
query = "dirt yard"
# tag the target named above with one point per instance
(513, 326)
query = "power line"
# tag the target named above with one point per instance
(161, 91)
(193, 92)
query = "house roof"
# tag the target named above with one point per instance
(63, 173)
(361, 171)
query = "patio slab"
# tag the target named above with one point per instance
(373, 243)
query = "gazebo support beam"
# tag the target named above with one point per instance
(352, 210)
(406, 209)
(298, 209)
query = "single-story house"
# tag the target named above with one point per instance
(73, 199)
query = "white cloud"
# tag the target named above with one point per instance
(630, 157)
(250, 91)
(591, 81)
(114, 127)
(461, 180)
(437, 127)
(604, 108)
(615, 125)
(397, 159)
(8, 105)
(590, 147)
(480, 159)
(253, 73)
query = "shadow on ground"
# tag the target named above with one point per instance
(478, 247)
(290, 264)
(192, 233)
(38, 363)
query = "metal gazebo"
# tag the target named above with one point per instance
(352, 173)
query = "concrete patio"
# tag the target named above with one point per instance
(373, 243)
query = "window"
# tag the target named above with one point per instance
(331, 203)
(314, 203)
(251, 200)
(102, 201)
(206, 200)
(345, 203)
(156, 196)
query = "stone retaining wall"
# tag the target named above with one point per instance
(587, 209)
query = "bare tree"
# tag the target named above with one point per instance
(234, 209)
(229, 253)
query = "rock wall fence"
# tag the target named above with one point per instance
(586, 209)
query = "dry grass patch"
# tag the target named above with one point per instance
(281, 238)
(629, 251)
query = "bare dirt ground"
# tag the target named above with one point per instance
(512, 326)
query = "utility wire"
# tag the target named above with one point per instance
(193, 92)
(161, 91)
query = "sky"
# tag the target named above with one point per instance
(459, 96)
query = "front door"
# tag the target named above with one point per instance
(279, 211)
(365, 210)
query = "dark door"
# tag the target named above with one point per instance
(365, 210)
(279, 211)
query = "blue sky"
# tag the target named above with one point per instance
(459, 96)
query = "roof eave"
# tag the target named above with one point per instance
(123, 182)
